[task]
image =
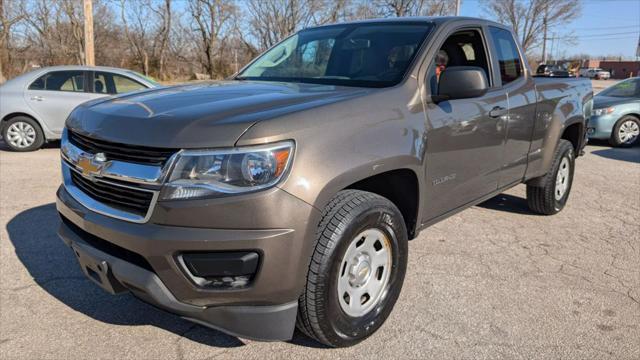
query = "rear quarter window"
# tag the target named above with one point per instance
(507, 54)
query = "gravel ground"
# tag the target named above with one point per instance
(494, 281)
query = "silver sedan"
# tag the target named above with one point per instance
(35, 105)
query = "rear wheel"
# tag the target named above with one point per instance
(357, 269)
(550, 194)
(626, 132)
(22, 134)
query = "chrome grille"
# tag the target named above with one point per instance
(120, 197)
(123, 152)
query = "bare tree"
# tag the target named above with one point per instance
(274, 20)
(72, 11)
(401, 8)
(161, 41)
(173, 39)
(527, 17)
(147, 30)
(136, 25)
(213, 22)
(40, 31)
(10, 15)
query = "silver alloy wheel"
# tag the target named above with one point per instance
(562, 179)
(628, 132)
(364, 272)
(21, 134)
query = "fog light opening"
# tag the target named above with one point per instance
(221, 270)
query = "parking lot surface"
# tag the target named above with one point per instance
(495, 281)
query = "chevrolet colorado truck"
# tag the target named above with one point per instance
(285, 196)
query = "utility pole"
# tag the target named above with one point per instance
(458, 7)
(235, 61)
(89, 56)
(544, 38)
(553, 44)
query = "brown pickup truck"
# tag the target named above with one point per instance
(286, 195)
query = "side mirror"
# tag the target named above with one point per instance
(461, 82)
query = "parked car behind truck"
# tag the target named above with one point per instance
(286, 196)
(595, 73)
(616, 114)
(552, 71)
(35, 105)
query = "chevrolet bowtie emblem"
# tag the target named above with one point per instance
(92, 165)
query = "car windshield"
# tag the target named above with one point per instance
(365, 55)
(627, 88)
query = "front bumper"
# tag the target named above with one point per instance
(600, 127)
(146, 261)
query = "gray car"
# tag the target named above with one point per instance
(35, 105)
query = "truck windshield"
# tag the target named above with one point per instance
(364, 55)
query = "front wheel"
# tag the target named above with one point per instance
(626, 132)
(550, 195)
(22, 134)
(356, 271)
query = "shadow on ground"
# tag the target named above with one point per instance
(623, 154)
(54, 144)
(54, 268)
(508, 203)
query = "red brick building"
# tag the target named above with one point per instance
(618, 69)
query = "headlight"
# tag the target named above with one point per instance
(207, 173)
(604, 111)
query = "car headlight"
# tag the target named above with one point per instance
(210, 173)
(603, 111)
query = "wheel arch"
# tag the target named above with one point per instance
(401, 187)
(574, 133)
(12, 115)
(635, 115)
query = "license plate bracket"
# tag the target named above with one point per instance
(97, 270)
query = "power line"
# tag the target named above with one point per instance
(608, 34)
(613, 38)
(596, 37)
(606, 27)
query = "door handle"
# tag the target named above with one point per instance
(37, 98)
(498, 111)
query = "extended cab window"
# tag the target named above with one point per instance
(108, 83)
(463, 48)
(367, 55)
(508, 55)
(60, 81)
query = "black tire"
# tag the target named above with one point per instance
(541, 197)
(320, 315)
(39, 135)
(615, 140)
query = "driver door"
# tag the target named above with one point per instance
(465, 137)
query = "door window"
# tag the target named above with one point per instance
(508, 55)
(124, 84)
(100, 83)
(463, 48)
(60, 81)
(108, 83)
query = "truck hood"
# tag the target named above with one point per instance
(213, 114)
